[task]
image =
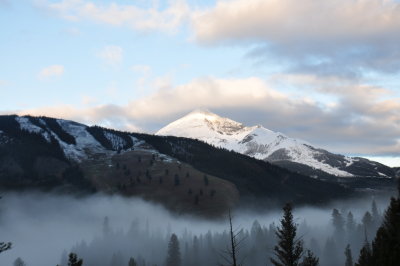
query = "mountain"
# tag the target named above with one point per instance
(274, 147)
(185, 175)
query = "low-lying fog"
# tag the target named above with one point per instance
(44, 228)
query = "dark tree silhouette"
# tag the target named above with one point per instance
(337, 221)
(386, 245)
(365, 255)
(349, 257)
(350, 223)
(310, 260)
(289, 249)
(74, 261)
(174, 254)
(132, 262)
(19, 262)
(376, 218)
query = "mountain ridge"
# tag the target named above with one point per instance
(36, 153)
(275, 147)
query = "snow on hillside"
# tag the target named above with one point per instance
(85, 142)
(26, 125)
(256, 141)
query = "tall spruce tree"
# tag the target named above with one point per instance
(74, 261)
(289, 250)
(365, 255)
(310, 259)
(349, 257)
(132, 262)
(386, 245)
(174, 254)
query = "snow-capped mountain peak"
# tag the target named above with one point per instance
(203, 123)
(259, 142)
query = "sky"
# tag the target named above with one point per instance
(323, 71)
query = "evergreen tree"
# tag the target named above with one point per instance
(19, 262)
(367, 220)
(337, 221)
(350, 223)
(289, 249)
(174, 254)
(349, 257)
(73, 260)
(386, 245)
(374, 211)
(132, 262)
(376, 217)
(310, 260)
(365, 255)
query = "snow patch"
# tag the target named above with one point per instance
(26, 125)
(116, 142)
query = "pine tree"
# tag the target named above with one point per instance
(375, 213)
(19, 262)
(367, 221)
(349, 257)
(289, 249)
(337, 221)
(174, 254)
(386, 245)
(310, 259)
(350, 223)
(73, 260)
(132, 262)
(365, 255)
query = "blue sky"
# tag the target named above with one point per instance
(325, 72)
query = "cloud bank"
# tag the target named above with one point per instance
(360, 118)
(344, 35)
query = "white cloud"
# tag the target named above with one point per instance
(133, 16)
(286, 21)
(112, 55)
(51, 71)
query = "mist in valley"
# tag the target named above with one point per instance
(109, 230)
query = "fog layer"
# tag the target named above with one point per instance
(108, 230)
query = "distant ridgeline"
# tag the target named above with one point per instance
(185, 175)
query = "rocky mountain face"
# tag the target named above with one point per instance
(185, 175)
(274, 147)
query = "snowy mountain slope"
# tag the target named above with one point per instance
(77, 141)
(264, 144)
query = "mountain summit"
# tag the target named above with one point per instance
(274, 147)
